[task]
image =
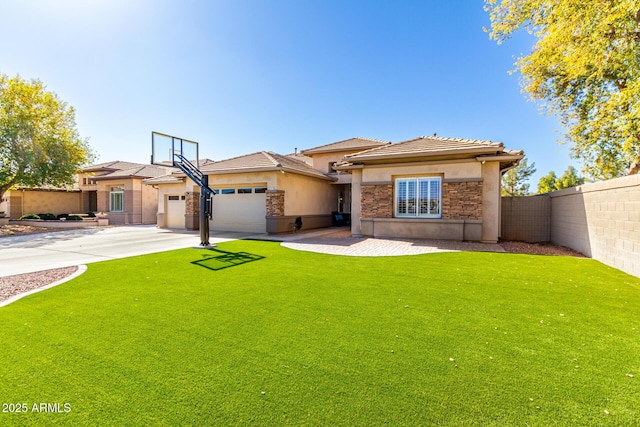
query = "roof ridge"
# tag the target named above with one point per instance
(270, 155)
(370, 149)
(444, 138)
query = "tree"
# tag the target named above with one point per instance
(569, 179)
(514, 182)
(547, 183)
(550, 182)
(39, 143)
(585, 67)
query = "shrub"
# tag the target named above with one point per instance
(62, 216)
(74, 218)
(91, 214)
(30, 216)
(47, 216)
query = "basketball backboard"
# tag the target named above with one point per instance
(166, 148)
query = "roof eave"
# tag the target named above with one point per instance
(398, 156)
(268, 169)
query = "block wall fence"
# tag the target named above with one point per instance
(600, 220)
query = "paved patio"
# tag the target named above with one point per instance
(338, 241)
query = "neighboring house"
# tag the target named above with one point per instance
(428, 187)
(114, 188)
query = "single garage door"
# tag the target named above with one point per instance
(240, 209)
(174, 212)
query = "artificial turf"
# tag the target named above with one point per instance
(252, 333)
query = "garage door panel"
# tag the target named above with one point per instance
(175, 212)
(239, 212)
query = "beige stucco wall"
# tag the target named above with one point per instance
(600, 220)
(39, 201)
(322, 161)
(235, 180)
(149, 203)
(491, 202)
(306, 195)
(461, 170)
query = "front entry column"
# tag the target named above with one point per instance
(356, 202)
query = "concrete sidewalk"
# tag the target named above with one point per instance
(37, 252)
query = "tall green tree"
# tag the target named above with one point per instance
(515, 181)
(568, 179)
(39, 142)
(585, 67)
(547, 183)
(550, 182)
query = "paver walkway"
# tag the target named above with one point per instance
(338, 241)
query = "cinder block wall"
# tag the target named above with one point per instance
(600, 220)
(526, 219)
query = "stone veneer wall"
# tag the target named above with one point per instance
(377, 201)
(275, 203)
(462, 200)
(192, 204)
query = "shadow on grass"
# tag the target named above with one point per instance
(225, 259)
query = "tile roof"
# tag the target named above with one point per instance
(262, 161)
(164, 179)
(428, 146)
(111, 166)
(355, 144)
(299, 156)
(140, 171)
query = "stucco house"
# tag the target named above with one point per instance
(114, 188)
(427, 187)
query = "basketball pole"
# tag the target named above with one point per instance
(205, 212)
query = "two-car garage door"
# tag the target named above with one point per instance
(237, 209)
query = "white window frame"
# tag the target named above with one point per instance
(116, 193)
(411, 189)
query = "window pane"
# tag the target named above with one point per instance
(423, 197)
(260, 190)
(401, 197)
(434, 197)
(228, 191)
(244, 191)
(411, 197)
(116, 201)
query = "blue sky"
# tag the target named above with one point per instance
(245, 76)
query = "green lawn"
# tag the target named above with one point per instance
(257, 334)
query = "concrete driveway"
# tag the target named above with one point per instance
(36, 252)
